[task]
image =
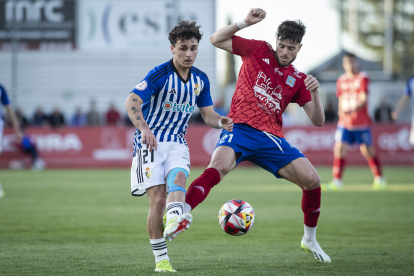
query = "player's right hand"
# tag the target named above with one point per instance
(148, 138)
(255, 16)
(394, 115)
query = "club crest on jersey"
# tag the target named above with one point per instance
(290, 81)
(197, 89)
(141, 86)
(148, 173)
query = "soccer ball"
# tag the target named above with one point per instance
(236, 217)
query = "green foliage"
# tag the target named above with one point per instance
(85, 222)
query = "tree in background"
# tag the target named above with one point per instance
(366, 22)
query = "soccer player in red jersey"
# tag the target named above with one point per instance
(354, 125)
(267, 83)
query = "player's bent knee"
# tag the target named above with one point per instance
(177, 175)
(220, 167)
(311, 182)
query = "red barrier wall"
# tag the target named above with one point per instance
(112, 146)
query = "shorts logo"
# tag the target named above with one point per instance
(185, 107)
(148, 173)
(290, 81)
(142, 85)
(197, 89)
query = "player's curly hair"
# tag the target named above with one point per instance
(291, 30)
(185, 30)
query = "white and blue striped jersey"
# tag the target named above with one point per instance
(4, 100)
(409, 91)
(169, 101)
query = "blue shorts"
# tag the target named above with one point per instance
(261, 148)
(361, 136)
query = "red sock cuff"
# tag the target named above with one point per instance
(313, 191)
(213, 174)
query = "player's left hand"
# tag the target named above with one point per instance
(227, 123)
(312, 84)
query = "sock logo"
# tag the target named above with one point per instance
(175, 212)
(317, 210)
(163, 254)
(200, 188)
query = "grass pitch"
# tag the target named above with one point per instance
(85, 222)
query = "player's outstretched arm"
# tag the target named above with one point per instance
(15, 123)
(215, 120)
(314, 108)
(223, 38)
(133, 107)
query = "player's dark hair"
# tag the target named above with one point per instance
(185, 30)
(350, 55)
(291, 30)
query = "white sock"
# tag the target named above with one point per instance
(174, 209)
(310, 233)
(159, 248)
(187, 208)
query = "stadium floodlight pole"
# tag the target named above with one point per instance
(388, 34)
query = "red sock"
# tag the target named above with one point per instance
(200, 188)
(338, 167)
(311, 206)
(375, 166)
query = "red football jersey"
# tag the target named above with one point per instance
(264, 89)
(348, 89)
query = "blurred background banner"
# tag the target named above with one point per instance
(138, 25)
(112, 146)
(38, 25)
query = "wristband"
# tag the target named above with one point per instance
(242, 24)
(220, 124)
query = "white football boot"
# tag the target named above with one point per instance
(177, 225)
(316, 250)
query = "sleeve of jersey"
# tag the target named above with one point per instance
(145, 89)
(205, 98)
(364, 85)
(302, 96)
(4, 99)
(338, 88)
(244, 47)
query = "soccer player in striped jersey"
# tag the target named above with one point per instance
(4, 101)
(160, 107)
(408, 92)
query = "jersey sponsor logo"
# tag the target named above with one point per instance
(277, 70)
(142, 85)
(197, 89)
(148, 172)
(265, 92)
(172, 91)
(266, 60)
(185, 107)
(290, 81)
